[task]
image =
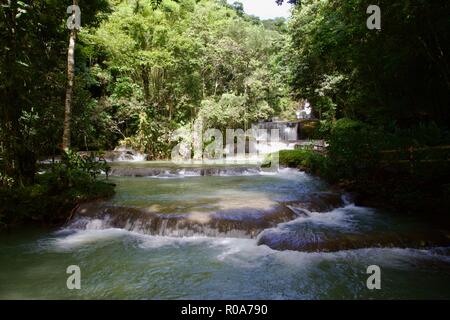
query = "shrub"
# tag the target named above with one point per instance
(55, 192)
(354, 149)
(306, 160)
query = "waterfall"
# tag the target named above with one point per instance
(125, 154)
(288, 136)
(167, 172)
(289, 131)
(244, 223)
(231, 218)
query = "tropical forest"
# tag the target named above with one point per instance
(195, 149)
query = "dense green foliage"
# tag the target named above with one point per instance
(304, 159)
(382, 96)
(55, 192)
(397, 76)
(145, 68)
(33, 58)
(156, 70)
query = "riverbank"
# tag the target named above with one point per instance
(387, 188)
(54, 192)
(41, 205)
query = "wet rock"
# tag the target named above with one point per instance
(239, 223)
(332, 241)
(316, 202)
(166, 172)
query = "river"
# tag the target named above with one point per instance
(226, 233)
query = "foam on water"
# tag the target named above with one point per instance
(76, 239)
(340, 217)
(121, 264)
(244, 252)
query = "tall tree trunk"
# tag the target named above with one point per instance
(70, 83)
(146, 84)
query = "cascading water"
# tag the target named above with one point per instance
(288, 136)
(125, 154)
(288, 131)
(180, 172)
(174, 232)
(284, 210)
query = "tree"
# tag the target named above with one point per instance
(70, 78)
(162, 64)
(397, 74)
(239, 7)
(32, 84)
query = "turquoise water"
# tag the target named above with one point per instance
(123, 264)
